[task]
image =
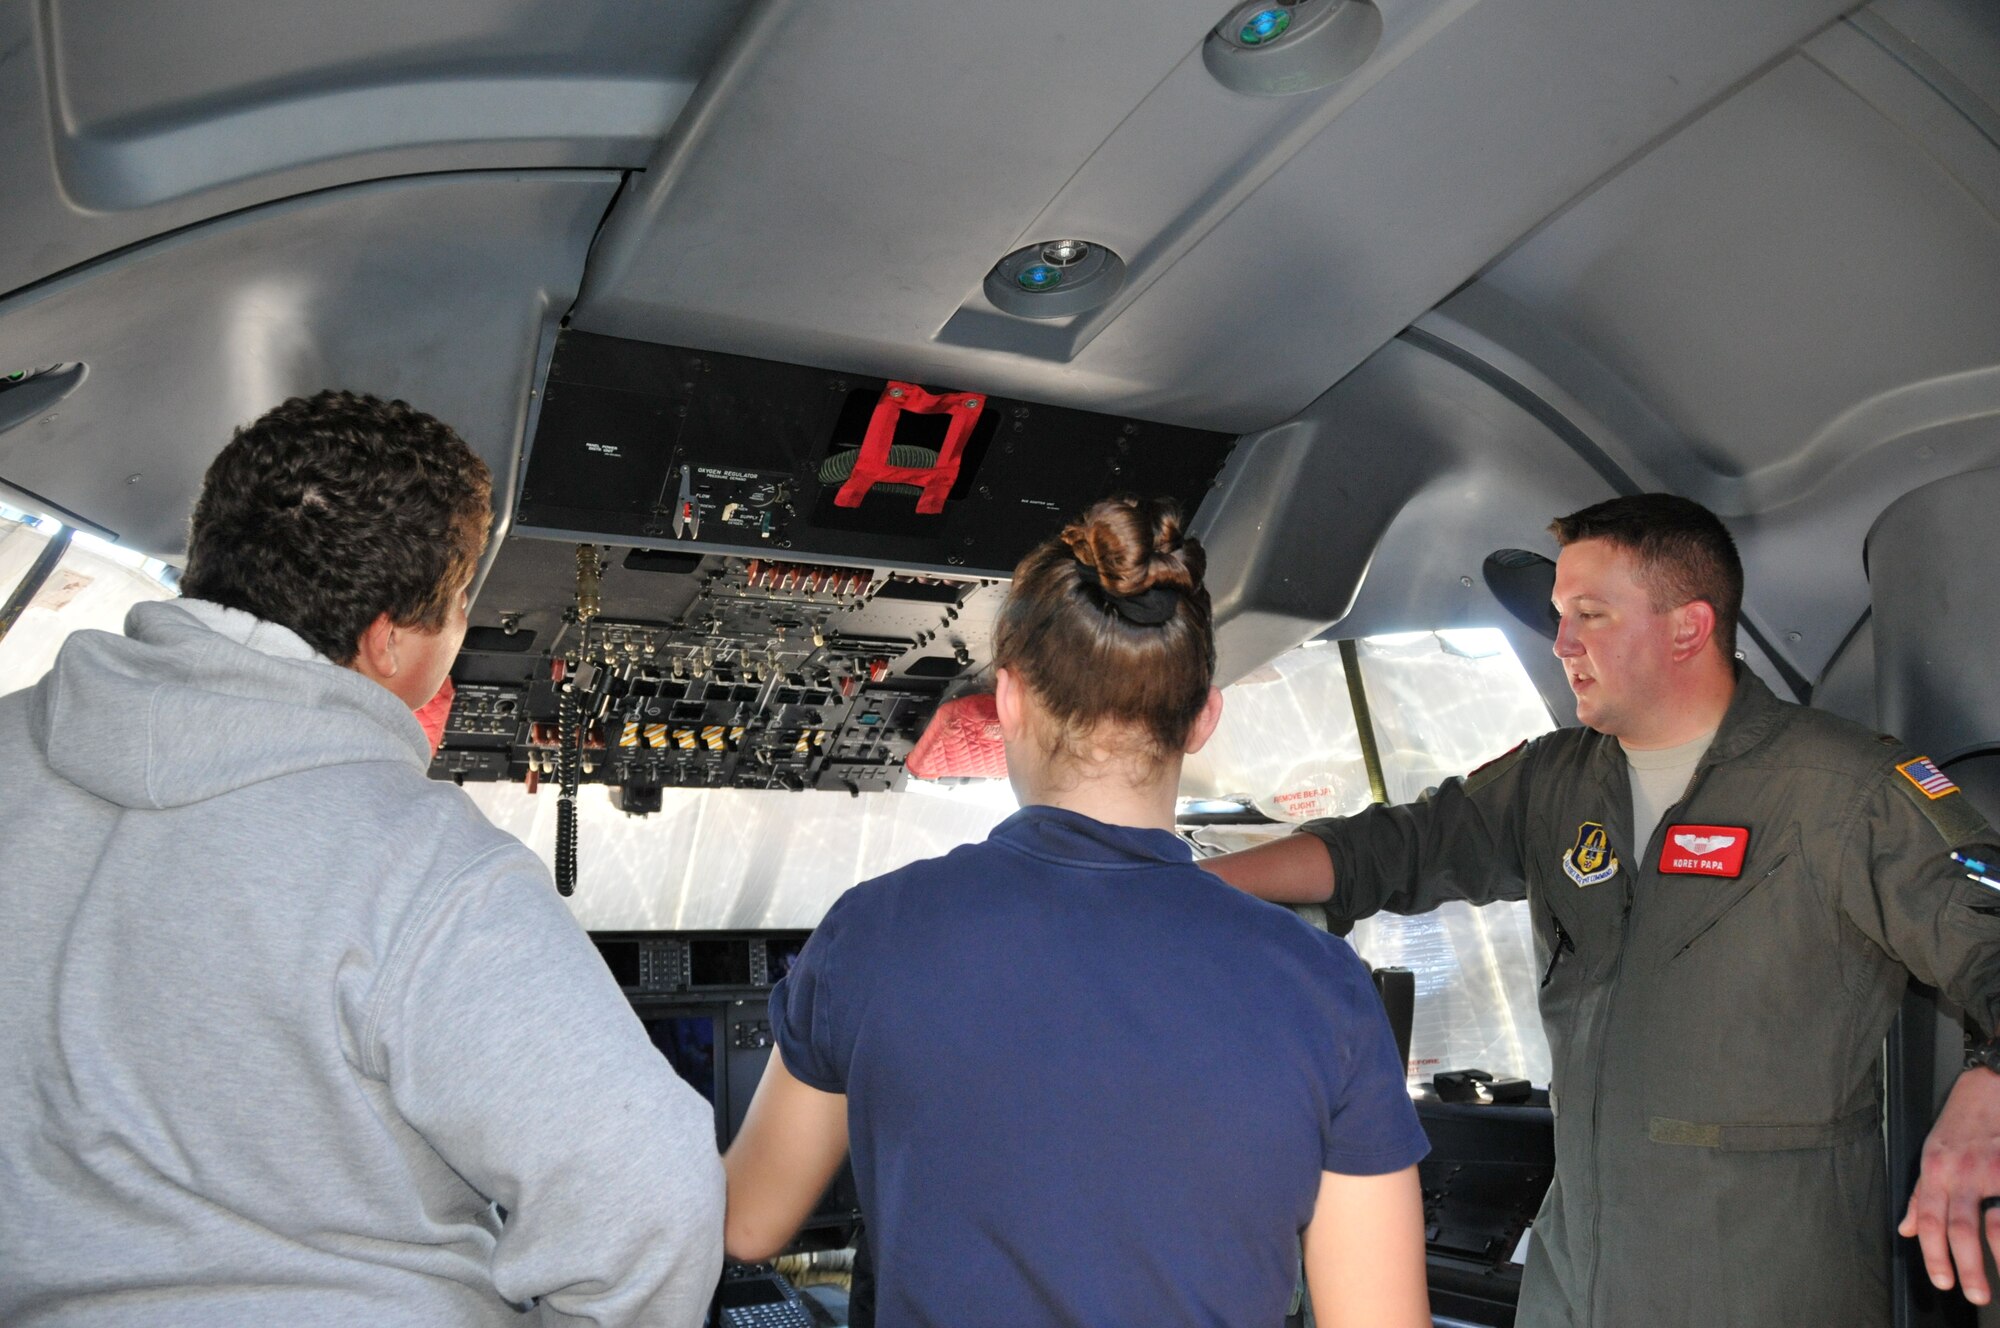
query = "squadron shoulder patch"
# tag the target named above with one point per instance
(1923, 772)
(1590, 861)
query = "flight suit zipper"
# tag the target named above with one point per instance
(1667, 818)
(1597, 1104)
(1561, 946)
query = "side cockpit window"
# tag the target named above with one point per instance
(54, 581)
(1296, 742)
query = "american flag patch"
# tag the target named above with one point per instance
(1923, 772)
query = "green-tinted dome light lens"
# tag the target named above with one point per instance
(1039, 277)
(1265, 25)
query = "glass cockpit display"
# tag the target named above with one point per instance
(688, 1043)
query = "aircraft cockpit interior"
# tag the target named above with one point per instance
(788, 329)
(701, 997)
(779, 572)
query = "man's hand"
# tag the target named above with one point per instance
(1961, 1168)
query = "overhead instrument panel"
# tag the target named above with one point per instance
(735, 573)
(651, 670)
(686, 449)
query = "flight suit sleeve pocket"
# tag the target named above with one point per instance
(1980, 860)
(1971, 950)
(1902, 889)
(1975, 907)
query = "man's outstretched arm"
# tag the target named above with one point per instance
(1294, 870)
(1460, 841)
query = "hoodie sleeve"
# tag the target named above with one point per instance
(506, 1044)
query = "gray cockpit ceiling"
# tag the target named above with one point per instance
(1525, 257)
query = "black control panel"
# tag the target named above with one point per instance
(703, 998)
(652, 964)
(639, 443)
(708, 671)
(756, 1297)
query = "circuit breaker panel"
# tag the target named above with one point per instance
(709, 671)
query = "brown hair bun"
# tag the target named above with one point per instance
(1109, 621)
(1135, 544)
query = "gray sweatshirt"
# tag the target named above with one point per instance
(286, 1027)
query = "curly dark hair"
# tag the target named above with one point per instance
(334, 509)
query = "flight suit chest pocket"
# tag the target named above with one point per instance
(1694, 912)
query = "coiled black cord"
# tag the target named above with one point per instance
(569, 761)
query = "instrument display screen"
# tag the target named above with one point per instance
(718, 963)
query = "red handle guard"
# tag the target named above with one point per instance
(872, 466)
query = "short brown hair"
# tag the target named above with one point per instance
(1685, 553)
(334, 509)
(1063, 632)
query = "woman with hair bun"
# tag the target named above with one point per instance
(1086, 1082)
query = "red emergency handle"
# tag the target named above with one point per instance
(872, 466)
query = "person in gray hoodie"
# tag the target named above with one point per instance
(289, 1033)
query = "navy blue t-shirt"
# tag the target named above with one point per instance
(1088, 1083)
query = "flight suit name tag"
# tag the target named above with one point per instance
(1705, 850)
(1590, 861)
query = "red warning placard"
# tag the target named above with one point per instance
(1704, 850)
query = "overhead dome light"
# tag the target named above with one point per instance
(1273, 50)
(1039, 277)
(1054, 279)
(1265, 25)
(1065, 253)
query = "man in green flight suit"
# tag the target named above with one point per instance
(1727, 891)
